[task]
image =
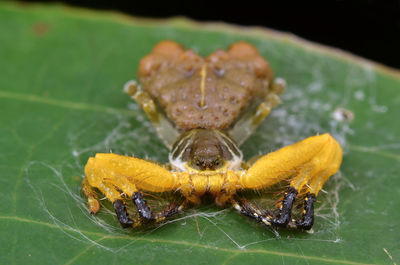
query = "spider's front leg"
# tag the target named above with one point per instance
(119, 176)
(307, 164)
(146, 215)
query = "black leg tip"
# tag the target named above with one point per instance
(122, 214)
(143, 209)
(304, 225)
(307, 220)
(286, 209)
(172, 210)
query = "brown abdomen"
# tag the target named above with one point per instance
(208, 93)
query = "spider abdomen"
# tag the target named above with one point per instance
(205, 92)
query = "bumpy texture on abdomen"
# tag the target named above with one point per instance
(209, 92)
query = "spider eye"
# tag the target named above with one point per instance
(216, 162)
(198, 163)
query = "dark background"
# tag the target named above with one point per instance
(368, 28)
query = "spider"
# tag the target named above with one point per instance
(203, 109)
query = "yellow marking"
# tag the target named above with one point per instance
(203, 74)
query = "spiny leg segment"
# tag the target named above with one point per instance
(309, 163)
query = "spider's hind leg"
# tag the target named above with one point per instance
(255, 115)
(165, 129)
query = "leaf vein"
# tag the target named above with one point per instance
(64, 103)
(375, 151)
(184, 243)
(78, 255)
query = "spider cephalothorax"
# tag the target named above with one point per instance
(203, 109)
(202, 149)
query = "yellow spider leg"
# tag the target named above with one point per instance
(129, 174)
(89, 192)
(313, 154)
(310, 162)
(316, 172)
(320, 167)
(336, 158)
(111, 173)
(92, 171)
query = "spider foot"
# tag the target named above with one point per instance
(307, 221)
(285, 210)
(141, 205)
(145, 214)
(252, 211)
(122, 214)
(283, 219)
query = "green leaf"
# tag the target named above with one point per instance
(61, 101)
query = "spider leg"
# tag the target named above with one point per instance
(252, 211)
(285, 209)
(250, 121)
(146, 215)
(118, 177)
(128, 174)
(284, 217)
(122, 214)
(307, 221)
(248, 209)
(165, 129)
(307, 164)
(115, 197)
(91, 195)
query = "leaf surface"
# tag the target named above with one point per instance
(61, 101)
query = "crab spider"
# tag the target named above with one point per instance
(203, 109)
